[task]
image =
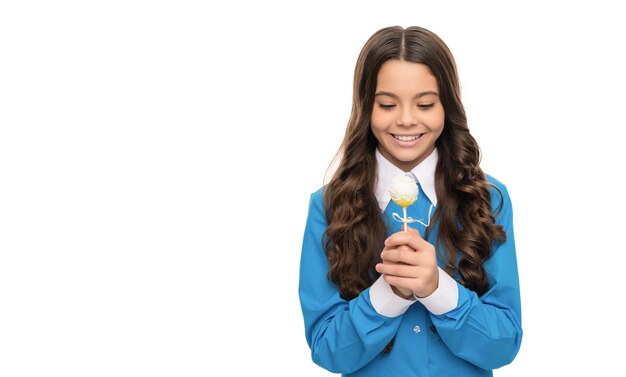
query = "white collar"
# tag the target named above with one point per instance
(424, 172)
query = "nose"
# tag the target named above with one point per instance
(408, 117)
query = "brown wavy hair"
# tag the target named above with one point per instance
(356, 230)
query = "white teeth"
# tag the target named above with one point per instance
(406, 138)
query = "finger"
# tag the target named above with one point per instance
(411, 232)
(404, 247)
(401, 270)
(400, 254)
(412, 238)
(398, 281)
(400, 247)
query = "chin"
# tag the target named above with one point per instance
(407, 159)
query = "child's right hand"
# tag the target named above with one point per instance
(409, 264)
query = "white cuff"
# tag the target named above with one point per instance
(385, 301)
(444, 298)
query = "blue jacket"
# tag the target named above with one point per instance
(479, 335)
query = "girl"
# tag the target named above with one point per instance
(438, 300)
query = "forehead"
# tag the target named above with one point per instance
(401, 76)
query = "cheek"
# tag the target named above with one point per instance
(380, 120)
(436, 120)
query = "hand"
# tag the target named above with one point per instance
(409, 264)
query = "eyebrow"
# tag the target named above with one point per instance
(418, 95)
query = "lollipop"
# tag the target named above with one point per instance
(403, 192)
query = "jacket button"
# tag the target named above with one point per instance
(417, 329)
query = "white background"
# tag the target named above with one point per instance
(156, 161)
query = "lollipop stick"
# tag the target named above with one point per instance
(406, 224)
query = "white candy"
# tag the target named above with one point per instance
(403, 191)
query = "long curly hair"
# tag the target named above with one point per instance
(356, 229)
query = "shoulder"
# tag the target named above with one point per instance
(317, 199)
(316, 203)
(319, 194)
(497, 183)
(316, 218)
(499, 193)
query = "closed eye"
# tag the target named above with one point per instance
(386, 106)
(426, 106)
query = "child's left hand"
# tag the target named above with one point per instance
(410, 268)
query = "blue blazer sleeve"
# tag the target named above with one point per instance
(487, 330)
(343, 335)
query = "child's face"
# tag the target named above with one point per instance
(408, 116)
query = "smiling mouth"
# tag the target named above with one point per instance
(407, 137)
